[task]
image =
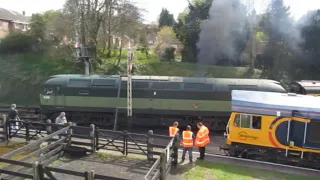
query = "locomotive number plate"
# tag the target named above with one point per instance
(46, 97)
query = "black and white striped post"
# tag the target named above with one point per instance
(129, 91)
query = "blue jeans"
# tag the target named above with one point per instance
(189, 152)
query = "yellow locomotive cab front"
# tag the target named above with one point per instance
(274, 127)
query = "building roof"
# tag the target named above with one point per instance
(276, 104)
(14, 16)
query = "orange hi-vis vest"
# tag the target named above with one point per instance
(202, 138)
(173, 131)
(187, 140)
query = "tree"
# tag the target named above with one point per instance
(166, 35)
(37, 26)
(275, 24)
(129, 21)
(166, 38)
(88, 16)
(309, 64)
(165, 18)
(187, 28)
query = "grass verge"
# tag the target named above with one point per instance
(220, 171)
(112, 155)
(6, 148)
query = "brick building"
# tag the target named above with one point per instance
(12, 21)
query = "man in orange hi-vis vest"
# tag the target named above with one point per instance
(187, 143)
(173, 130)
(202, 139)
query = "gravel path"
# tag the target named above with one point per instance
(113, 165)
(132, 167)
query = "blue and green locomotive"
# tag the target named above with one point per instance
(156, 100)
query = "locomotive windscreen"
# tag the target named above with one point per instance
(314, 134)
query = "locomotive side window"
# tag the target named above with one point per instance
(237, 120)
(79, 83)
(159, 85)
(205, 87)
(247, 121)
(191, 86)
(256, 122)
(174, 86)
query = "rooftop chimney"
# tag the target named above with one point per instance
(23, 13)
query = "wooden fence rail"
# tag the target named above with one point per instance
(93, 139)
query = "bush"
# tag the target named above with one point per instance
(169, 54)
(17, 43)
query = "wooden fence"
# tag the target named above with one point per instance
(164, 154)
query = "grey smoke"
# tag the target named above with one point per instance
(288, 28)
(226, 23)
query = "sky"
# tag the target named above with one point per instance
(153, 7)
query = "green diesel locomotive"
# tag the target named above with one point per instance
(156, 100)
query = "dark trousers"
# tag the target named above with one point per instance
(184, 151)
(202, 151)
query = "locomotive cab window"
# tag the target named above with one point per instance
(247, 121)
(48, 91)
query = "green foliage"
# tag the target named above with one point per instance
(17, 43)
(22, 75)
(308, 65)
(278, 54)
(187, 28)
(166, 19)
(150, 65)
(169, 54)
(37, 26)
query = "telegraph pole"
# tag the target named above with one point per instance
(129, 91)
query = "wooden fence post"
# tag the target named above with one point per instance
(9, 127)
(36, 171)
(48, 129)
(5, 128)
(41, 171)
(69, 135)
(97, 138)
(92, 138)
(48, 126)
(163, 165)
(175, 146)
(91, 175)
(149, 145)
(27, 131)
(125, 143)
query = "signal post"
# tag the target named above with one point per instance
(129, 91)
